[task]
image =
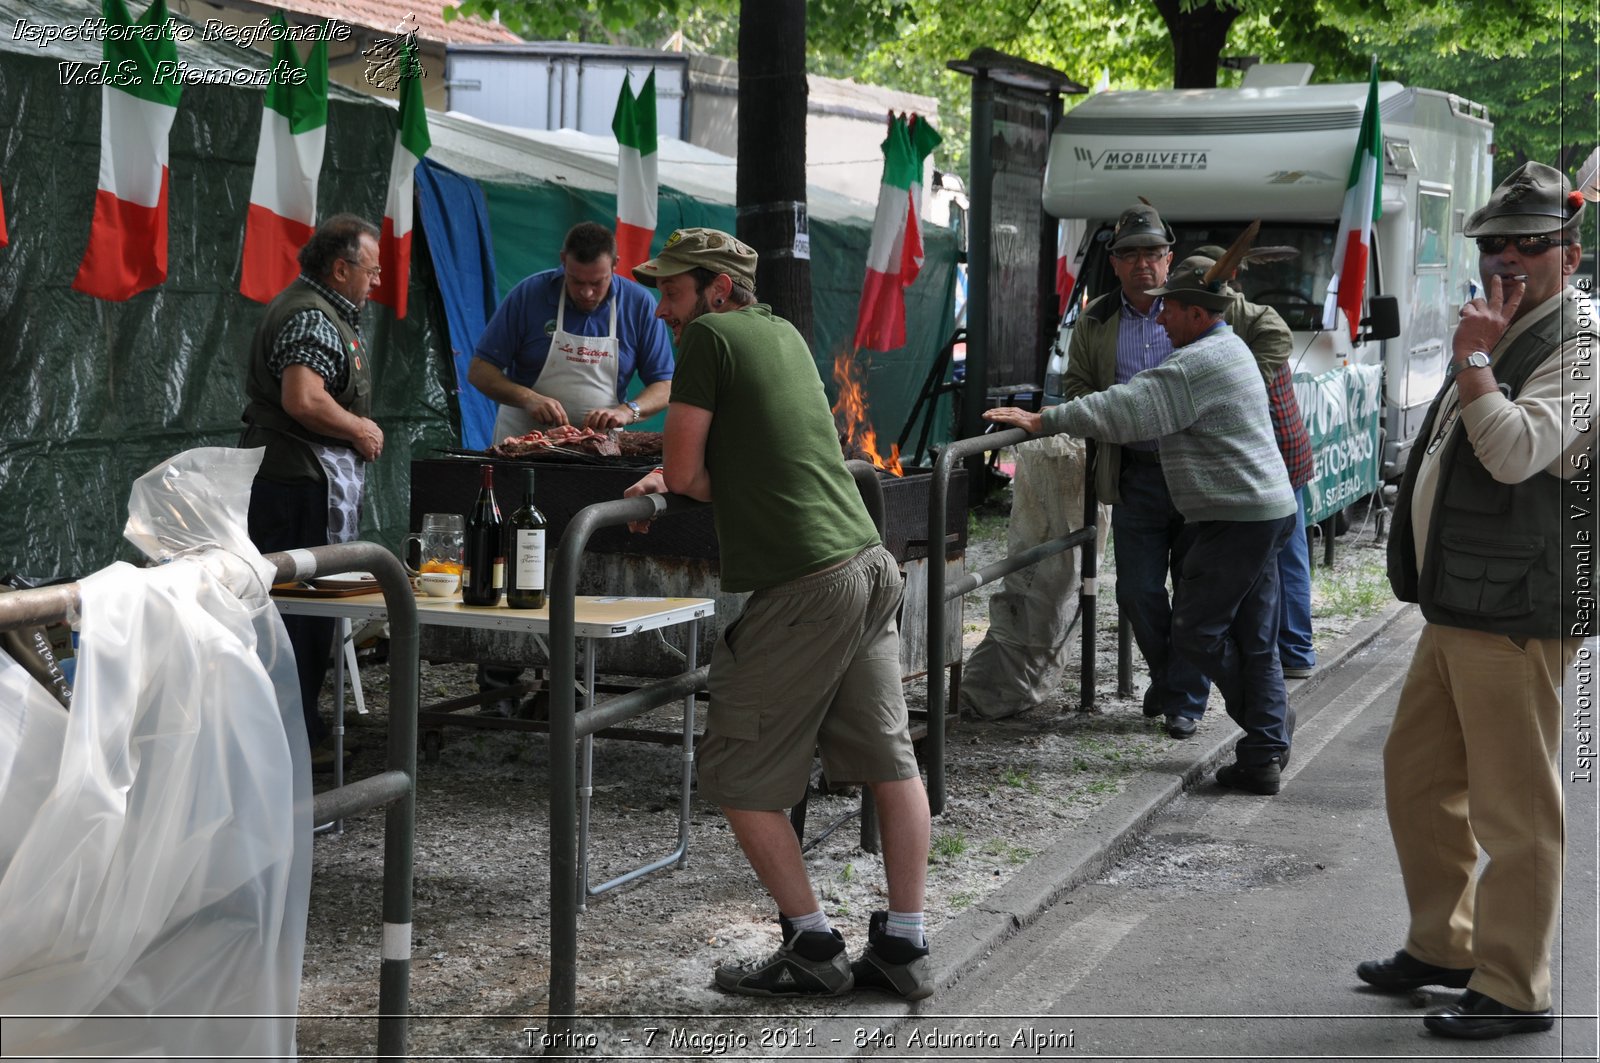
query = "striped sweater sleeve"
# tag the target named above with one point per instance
(1157, 402)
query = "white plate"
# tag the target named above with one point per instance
(341, 580)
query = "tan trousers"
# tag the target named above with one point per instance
(1471, 760)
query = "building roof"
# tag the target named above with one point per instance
(386, 15)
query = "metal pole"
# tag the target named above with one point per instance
(1089, 587)
(564, 885)
(938, 505)
(979, 263)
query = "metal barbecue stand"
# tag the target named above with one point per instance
(395, 786)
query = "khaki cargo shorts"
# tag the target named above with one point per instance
(812, 664)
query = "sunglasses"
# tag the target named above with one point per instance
(1527, 246)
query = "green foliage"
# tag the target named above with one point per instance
(948, 846)
(1541, 103)
(1357, 588)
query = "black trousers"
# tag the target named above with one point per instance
(290, 517)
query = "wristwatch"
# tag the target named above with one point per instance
(1475, 360)
(634, 406)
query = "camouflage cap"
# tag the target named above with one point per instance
(1187, 284)
(697, 248)
(1140, 226)
(1535, 199)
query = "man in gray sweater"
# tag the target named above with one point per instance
(1208, 405)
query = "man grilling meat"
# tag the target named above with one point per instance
(562, 347)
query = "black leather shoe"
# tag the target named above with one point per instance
(1265, 779)
(1479, 1018)
(1181, 726)
(1403, 972)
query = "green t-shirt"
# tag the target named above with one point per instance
(785, 505)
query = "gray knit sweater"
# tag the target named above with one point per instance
(1209, 407)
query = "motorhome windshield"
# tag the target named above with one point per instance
(1294, 283)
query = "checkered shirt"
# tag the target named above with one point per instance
(1294, 442)
(310, 339)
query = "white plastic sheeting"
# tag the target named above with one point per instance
(1034, 614)
(155, 843)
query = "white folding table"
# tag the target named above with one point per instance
(598, 617)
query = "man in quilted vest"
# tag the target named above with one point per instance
(1483, 538)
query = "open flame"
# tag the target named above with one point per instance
(856, 433)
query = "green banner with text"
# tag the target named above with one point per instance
(1341, 409)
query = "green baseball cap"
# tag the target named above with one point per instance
(698, 248)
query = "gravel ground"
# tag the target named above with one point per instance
(480, 951)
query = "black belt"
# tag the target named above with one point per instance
(1142, 457)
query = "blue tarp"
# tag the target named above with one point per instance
(455, 220)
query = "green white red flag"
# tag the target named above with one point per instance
(283, 193)
(895, 256)
(127, 250)
(411, 143)
(637, 188)
(1363, 205)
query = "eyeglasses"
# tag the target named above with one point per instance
(1527, 246)
(374, 271)
(1142, 254)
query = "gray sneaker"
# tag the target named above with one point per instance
(893, 964)
(807, 964)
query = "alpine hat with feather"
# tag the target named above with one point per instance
(1200, 281)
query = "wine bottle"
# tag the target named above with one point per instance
(525, 574)
(483, 574)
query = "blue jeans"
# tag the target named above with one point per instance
(1294, 595)
(1149, 545)
(1225, 620)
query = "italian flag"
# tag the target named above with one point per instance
(283, 194)
(1069, 234)
(411, 143)
(1363, 204)
(127, 250)
(895, 256)
(637, 188)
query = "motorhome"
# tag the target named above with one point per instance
(1213, 160)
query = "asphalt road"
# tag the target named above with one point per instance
(1232, 930)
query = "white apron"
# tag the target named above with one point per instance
(580, 373)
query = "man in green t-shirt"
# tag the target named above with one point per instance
(813, 661)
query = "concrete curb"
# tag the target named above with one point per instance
(967, 940)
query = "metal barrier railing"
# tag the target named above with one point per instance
(566, 891)
(395, 786)
(939, 593)
(566, 887)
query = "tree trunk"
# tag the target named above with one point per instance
(771, 190)
(1198, 37)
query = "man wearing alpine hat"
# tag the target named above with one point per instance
(1479, 529)
(1116, 337)
(1207, 406)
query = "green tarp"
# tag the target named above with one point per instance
(96, 393)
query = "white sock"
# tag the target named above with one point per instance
(907, 925)
(816, 922)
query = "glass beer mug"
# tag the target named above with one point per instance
(439, 544)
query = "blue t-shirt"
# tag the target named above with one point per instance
(517, 338)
